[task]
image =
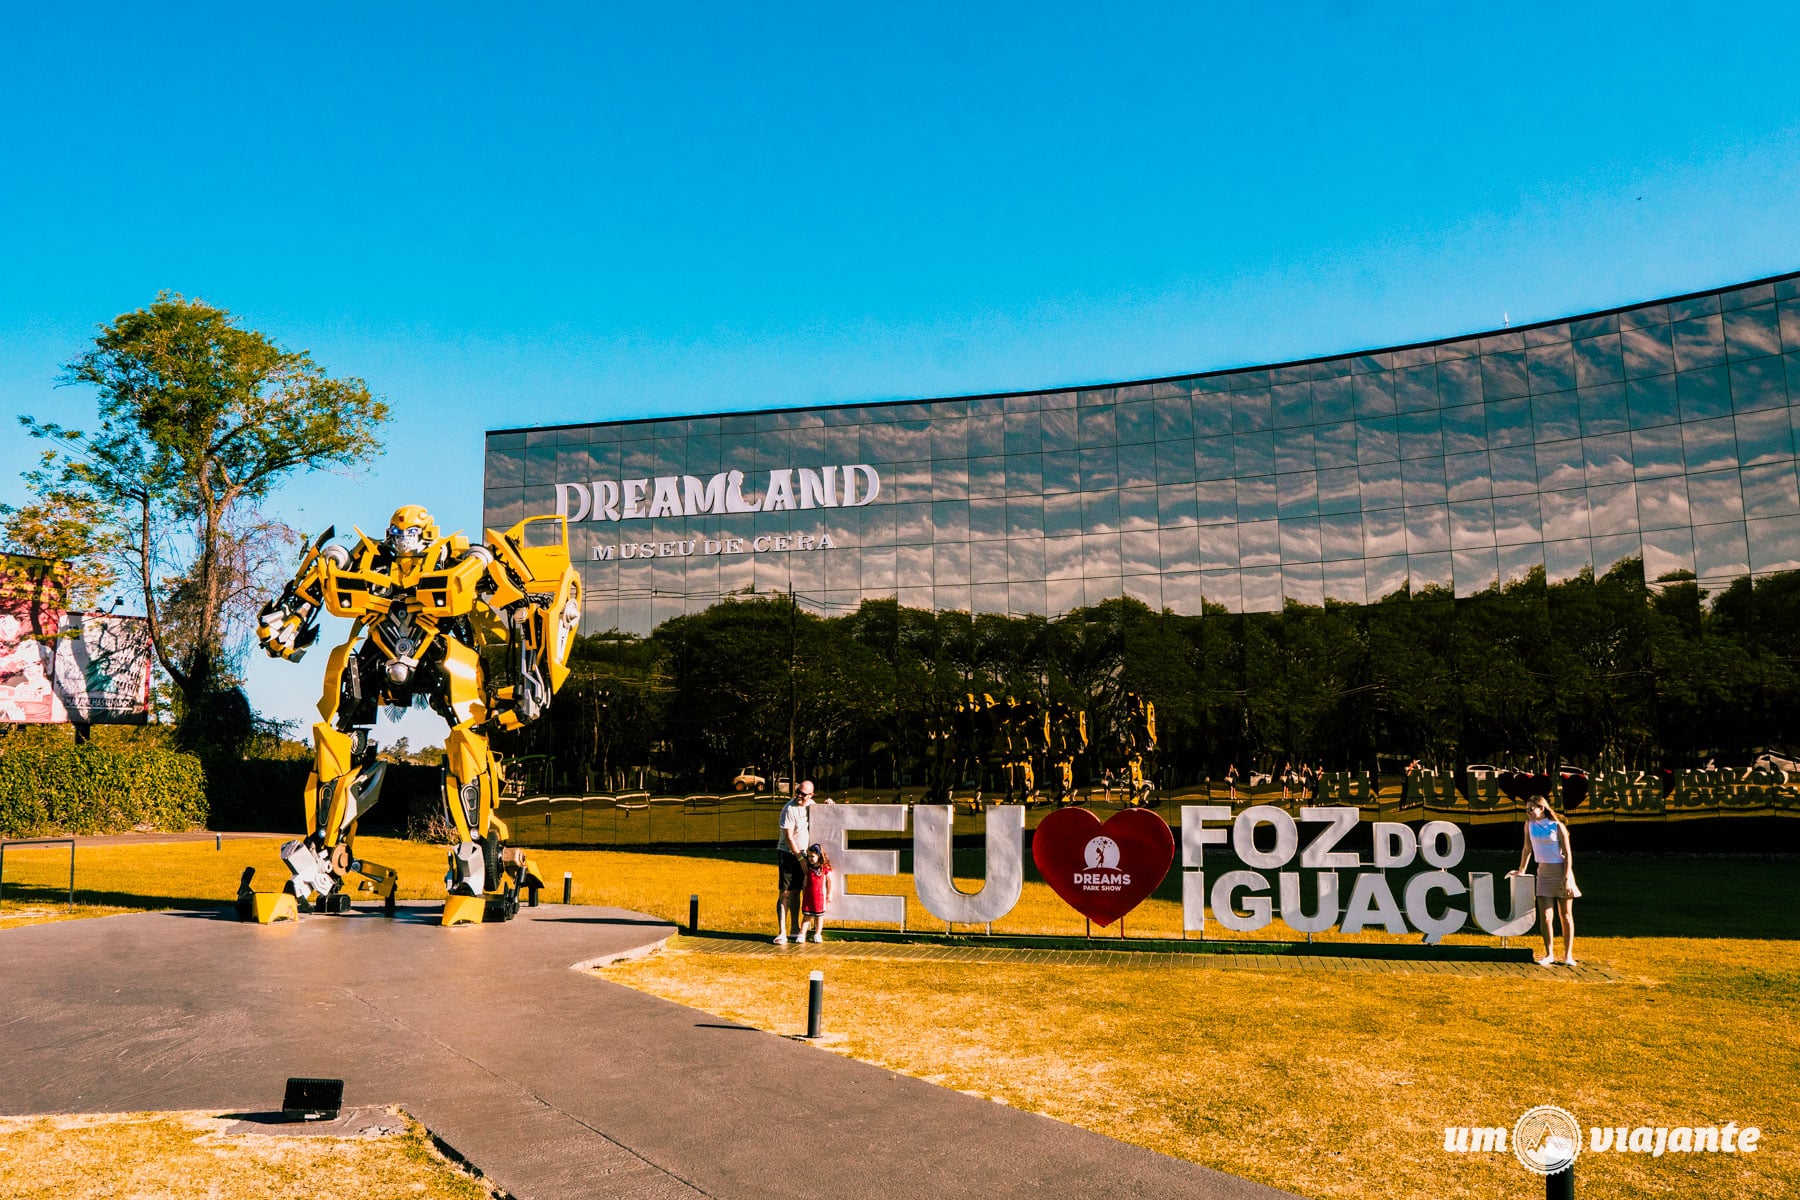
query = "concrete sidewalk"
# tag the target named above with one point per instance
(555, 1083)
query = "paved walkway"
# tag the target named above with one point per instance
(557, 1084)
(1210, 960)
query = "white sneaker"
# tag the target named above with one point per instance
(781, 939)
(819, 935)
(1546, 961)
(1569, 962)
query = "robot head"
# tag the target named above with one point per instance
(410, 531)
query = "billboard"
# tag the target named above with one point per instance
(59, 666)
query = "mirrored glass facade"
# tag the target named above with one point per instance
(1663, 433)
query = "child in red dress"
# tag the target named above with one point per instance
(817, 893)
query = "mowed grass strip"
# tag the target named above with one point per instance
(132, 1155)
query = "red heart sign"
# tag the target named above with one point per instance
(1103, 871)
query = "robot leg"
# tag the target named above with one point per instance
(485, 876)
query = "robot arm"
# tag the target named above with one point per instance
(535, 595)
(288, 624)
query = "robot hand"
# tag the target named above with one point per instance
(285, 627)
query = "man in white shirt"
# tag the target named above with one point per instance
(791, 840)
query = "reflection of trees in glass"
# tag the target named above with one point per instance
(1600, 672)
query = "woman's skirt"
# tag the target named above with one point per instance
(1553, 882)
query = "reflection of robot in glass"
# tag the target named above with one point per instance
(427, 603)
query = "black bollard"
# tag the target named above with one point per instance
(568, 887)
(1560, 1185)
(531, 896)
(218, 841)
(815, 1003)
(694, 913)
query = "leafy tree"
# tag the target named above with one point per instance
(199, 421)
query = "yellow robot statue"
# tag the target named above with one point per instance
(422, 605)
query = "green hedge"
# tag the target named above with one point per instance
(98, 789)
(265, 795)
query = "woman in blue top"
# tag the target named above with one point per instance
(1547, 842)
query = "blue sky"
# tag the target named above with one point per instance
(556, 214)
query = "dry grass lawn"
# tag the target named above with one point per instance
(1324, 1084)
(139, 1156)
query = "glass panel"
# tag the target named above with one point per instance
(1256, 498)
(1333, 402)
(1715, 496)
(1764, 437)
(1344, 582)
(1384, 532)
(1565, 560)
(1465, 429)
(1334, 445)
(1703, 394)
(1099, 591)
(1599, 361)
(987, 519)
(1509, 423)
(1060, 432)
(1377, 440)
(1255, 453)
(1062, 514)
(1293, 405)
(1174, 461)
(1140, 552)
(1251, 410)
(1517, 520)
(1720, 550)
(1218, 546)
(1062, 557)
(1663, 503)
(1294, 450)
(1298, 495)
(1299, 539)
(1466, 476)
(1222, 588)
(1459, 381)
(1503, 375)
(1752, 332)
(1775, 544)
(1339, 491)
(1262, 589)
(1175, 505)
(987, 477)
(1421, 435)
(1608, 459)
(1380, 484)
(1341, 536)
(1373, 394)
(1556, 416)
(1384, 576)
(1214, 458)
(1174, 419)
(1551, 368)
(1423, 481)
(1024, 517)
(1648, 352)
(1062, 471)
(1137, 466)
(1099, 512)
(1415, 389)
(1471, 524)
(950, 564)
(1259, 543)
(1179, 548)
(1517, 563)
(1025, 559)
(1302, 584)
(1428, 529)
(1181, 592)
(1657, 452)
(1612, 510)
(1216, 501)
(1475, 570)
(1137, 508)
(1667, 551)
(1561, 464)
(1709, 445)
(1097, 426)
(1099, 554)
(1757, 384)
(1769, 490)
(1698, 343)
(988, 562)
